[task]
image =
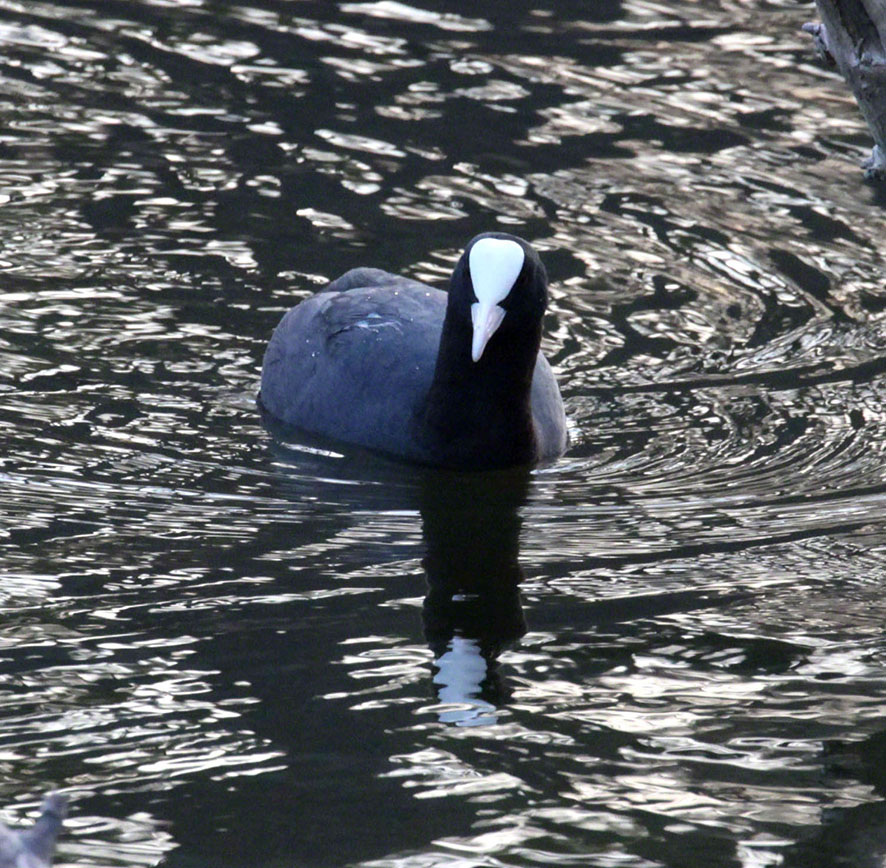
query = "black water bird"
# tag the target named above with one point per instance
(33, 848)
(452, 380)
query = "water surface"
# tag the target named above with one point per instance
(665, 649)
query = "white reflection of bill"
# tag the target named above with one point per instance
(461, 670)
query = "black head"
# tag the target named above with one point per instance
(499, 285)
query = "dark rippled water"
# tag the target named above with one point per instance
(667, 649)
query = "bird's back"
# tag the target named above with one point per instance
(355, 362)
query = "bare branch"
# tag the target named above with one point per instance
(852, 36)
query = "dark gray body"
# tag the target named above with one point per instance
(356, 361)
(33, 848)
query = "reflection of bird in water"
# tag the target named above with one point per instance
(471, 527)
(461, 673)
(33, 848)
(854, 836)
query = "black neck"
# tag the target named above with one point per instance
(485, 402)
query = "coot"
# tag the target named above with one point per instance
(452, 380)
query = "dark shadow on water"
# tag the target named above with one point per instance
(849, 837)
(471, 528)
(471, 532)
